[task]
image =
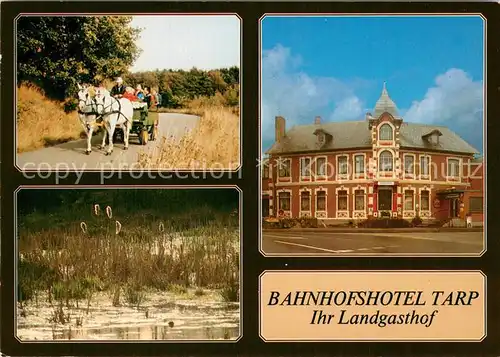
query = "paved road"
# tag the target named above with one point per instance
(72, 154)
(334, 243)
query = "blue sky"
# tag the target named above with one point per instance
(335, 67)
(187, 41)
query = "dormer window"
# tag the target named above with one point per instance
(321, 138)
(386, 132)
(432, 137)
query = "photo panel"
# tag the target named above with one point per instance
(373, 134)
(165, 88)
(120, 264)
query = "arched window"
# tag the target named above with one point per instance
(385, 161)
(385, 132)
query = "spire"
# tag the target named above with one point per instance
(385, 104)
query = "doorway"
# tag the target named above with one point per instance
(385, 199)
(265, 207)
(454, 207)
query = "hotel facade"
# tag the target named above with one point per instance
(374, 168)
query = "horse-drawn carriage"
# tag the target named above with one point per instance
(144, 124)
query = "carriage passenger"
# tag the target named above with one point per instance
(139, 92)
(119, 89)
(130, 94)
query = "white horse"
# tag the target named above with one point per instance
(88, 114)
(115, 113)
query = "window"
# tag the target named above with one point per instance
(265, 171)
(409, 164)
(359, 200)
(321, 166)
(424, 200)
(342, 165)
(305, 166)
(321, 201)
(409, 200)
(359, 164)
(284, 201)
(284, 168)
(476, 204)
(385, 132)
(453, 168)
(385, 161)
(342, 200)
(424, 165)
(305, 201)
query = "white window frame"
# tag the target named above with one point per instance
(364, 172)
(409, 213)
(316, 167)
(412, 174)
(379, 129)
(308, 212)
(429, 167)
(361, 214)
(337, 171)
(283, 161)
(320, 213)
(454, 178)
(393, 161)
(302, 160)
(288, 213)
(420, 190)
(341, 213)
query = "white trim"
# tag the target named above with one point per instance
(413, 174)
(425, 213)
(460, 168)
(288, 213)
(338, 176)
(381, 124)
(302, 177)
(301, 212)
(284, 178)
(320, 213)
(360, 214)
(429, 167)
(341, 213)
(316, 176)
(393, 162)
(367, 181)
(364, 173)
(406, 212)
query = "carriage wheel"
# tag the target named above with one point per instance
(143, 137)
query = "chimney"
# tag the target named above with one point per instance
(317, 120)
(280, 127)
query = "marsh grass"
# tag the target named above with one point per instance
(126, 256)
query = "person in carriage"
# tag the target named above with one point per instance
(130, 94)
(139, 92)
(118, 89)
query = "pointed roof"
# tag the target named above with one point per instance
(385, 104)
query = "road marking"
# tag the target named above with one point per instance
(308, 246)
(285, 237)
(396, 235)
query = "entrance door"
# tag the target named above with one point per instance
(385, 199)
(265, 207)
(454, 207)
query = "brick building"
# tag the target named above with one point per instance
(377, 167)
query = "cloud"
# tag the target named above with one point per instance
(456, 101)
(299, 97)
(186, 41)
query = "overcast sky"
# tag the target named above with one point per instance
(186, 41)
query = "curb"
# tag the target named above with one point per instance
(374, 230)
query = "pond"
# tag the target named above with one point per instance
(162, 316)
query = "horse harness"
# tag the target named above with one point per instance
(99, 117)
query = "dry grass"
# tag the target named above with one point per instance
(74, 261)
(213, 144)
(42, 122)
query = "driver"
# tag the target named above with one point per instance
(119, 89)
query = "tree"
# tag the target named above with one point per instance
(57, 52)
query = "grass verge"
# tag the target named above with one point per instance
(213, 144)
(42, 122)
